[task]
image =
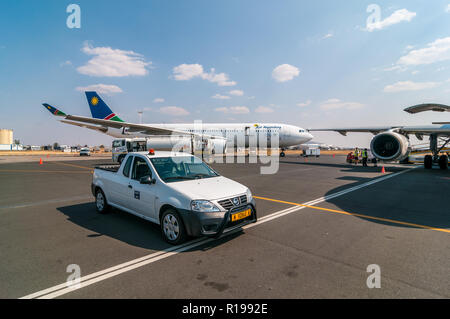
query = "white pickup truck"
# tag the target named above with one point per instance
(175, 190)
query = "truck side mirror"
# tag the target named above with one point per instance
(147, 180)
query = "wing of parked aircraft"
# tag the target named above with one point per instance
(392, 143)
(102, 125)
(427, 107)
(424, 130)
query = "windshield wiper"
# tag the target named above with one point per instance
(202, 175)
(179, 177)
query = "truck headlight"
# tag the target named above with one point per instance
(204, 206)
(249, 196)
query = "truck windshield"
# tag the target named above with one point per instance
(175, 169)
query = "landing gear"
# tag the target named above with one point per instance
(443, 162)
(436, 149)
(282, 154)
(428, 161)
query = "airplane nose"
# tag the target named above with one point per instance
(309, 136)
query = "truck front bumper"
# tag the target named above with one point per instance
(215, 224)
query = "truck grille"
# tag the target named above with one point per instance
(228, 203)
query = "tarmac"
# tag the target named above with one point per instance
(322, 223)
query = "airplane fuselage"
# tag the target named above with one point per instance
(240, 134)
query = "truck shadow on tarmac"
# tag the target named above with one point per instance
(124, 227)
(416, 197)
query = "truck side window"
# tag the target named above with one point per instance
(126, 168)
(140, 169)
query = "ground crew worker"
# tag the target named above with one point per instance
(364, 157)
(356, 155)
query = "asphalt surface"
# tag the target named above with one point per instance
(400, 223)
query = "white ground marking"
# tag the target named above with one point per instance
(87, 280)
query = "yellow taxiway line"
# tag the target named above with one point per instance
(392, 221)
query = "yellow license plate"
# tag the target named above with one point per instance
(241, 215)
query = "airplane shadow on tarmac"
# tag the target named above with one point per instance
(125, 227)
(403, 199)
(350, 168)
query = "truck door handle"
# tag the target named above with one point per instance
(129, 186)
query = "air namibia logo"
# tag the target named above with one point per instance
(94, 101)
(256, 125)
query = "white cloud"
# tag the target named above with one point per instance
(396, 17)
(304, 103)
(158, 100)
(263, 109)
(233, 110)
(65, 63)
(327, 36)
(185, 72)
(333, 104)
(285, 72)
(436, 51)
(221, 78)
(220, 97)
(409, 86)
(110, 62)
(447, 9)
(173, 111)
(237, 92)
(100, 88)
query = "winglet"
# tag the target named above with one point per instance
(53, 110)
(427, 107)
(99, 109)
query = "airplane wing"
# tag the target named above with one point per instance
(418, 130)
(92, 127)
(146, 129)
(427, 107)
(344, 131)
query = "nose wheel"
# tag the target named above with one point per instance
(282, 154)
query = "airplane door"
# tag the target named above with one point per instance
(250, 135)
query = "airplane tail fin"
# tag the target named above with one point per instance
(53, 110)
(99, 109)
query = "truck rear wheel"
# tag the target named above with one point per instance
(100, 202)
(172, 227)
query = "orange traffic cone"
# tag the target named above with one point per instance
(40, 161)
(383, 170)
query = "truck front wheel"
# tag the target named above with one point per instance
(172, 227)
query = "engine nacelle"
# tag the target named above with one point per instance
(390, 146)
(219, 146)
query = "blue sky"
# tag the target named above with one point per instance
(315, 64)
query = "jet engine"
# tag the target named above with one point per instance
(390, 146)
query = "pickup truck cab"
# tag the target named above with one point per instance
(178, 191)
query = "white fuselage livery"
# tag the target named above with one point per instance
(239, 134)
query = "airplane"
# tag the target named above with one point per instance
(391, 143)
(165, 136)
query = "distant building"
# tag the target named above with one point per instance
(6, 140)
